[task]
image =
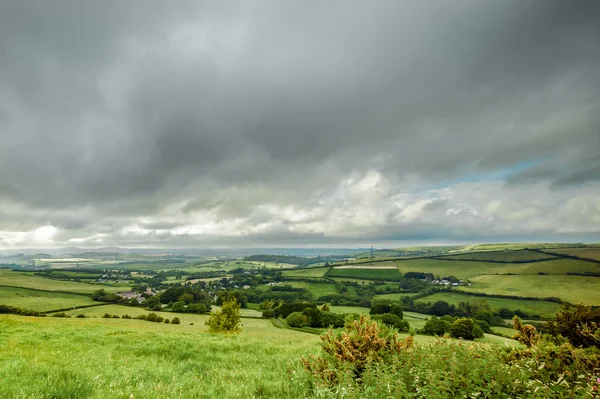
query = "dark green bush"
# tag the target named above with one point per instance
(466, 328)
(296, 319)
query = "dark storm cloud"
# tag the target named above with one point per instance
(116, 114)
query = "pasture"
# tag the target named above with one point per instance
(311, 272)
(28, 280)
(366, 273)
(443, 268)
(500, 256)
(573, 289)
(555, 266)
(41, 301)
(543, 308)
(395, 296)
(586, 253)
(316, 289)
(101, 358)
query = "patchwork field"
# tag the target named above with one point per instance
(27, 280)
(543, 308)
(395, 296)
(556, 266)
(308, 272)
(316, 289)
(574, 289)
(366, 273)
(500, 256)
(41, 301)
(587, 253)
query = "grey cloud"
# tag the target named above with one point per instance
(115, 112)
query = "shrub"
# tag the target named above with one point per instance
(167, 321)
(579, 324)
(80, 316)
(175, 320)
(178, 307)
(115, 316)
(329, 319)
(350, 352)
(126, 316)
(435, 326)
(60, 314)
(268, 314)
(196, 308)
(381, 306)
(466, 328)
(393, 321)
(296, 319)
(526, 333)
(227, 319)
(107, 316)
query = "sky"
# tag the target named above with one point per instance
(298, 123)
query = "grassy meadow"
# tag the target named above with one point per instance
(311, 272)
(574, 289)
(100, 358)
(543, 308)
(586, 253)
(28, 280)
(42, 301)
(501, 256)
(366, 273)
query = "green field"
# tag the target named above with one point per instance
(500, 256)
(311, 272)
(186, 318)
(574, 289)
(395, 296)
(316, 289)
(366, 273)
(27, 280)
(41, 301)
(556, 266)
(99, 358)
(587, 253)
(444, 268)
(543, 308)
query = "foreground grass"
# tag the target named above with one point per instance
(98, 358)
(41, 301)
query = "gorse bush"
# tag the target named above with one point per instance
(368, 361)
(349, 352)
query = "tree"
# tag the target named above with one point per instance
(226, 320)
(382, 306)
(178, 307)
(152, 302)
(186, 298)
(441, 308)
(435, 326)
(466, 328)
(175, 320)
(392, 320)
(196, 308)
(296, 319)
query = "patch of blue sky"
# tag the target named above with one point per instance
(488, 176)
